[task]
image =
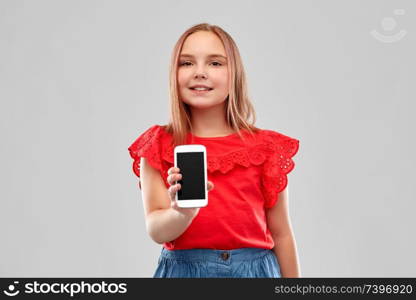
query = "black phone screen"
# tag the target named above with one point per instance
(191, 165)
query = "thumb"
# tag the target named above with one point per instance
(210, 186)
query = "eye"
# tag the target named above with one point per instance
(216, 62)
(184, 63)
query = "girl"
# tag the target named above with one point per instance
(245, 230)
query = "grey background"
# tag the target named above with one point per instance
(81, 80)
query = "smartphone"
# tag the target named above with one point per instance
(192, 162)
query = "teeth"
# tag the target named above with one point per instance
(200, 89)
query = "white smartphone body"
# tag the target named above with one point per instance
(192, 162)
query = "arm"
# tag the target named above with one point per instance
(278, 222)
(163, 223)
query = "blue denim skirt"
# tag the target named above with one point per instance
(236, 263)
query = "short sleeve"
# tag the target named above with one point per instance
(278, 165)
(147, 145)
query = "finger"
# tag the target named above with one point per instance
(210, 186)
(173, 170)
(172, 178)
(174, 204)
(170, 181)
(173, 189)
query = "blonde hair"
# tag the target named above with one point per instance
(238, 107)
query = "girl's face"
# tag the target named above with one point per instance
(203, 62)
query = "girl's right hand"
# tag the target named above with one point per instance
(173, 176)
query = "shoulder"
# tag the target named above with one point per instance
(275, 135)
(147, 144)
(149, 136)
(148, 141)
(276, 140)
(152, 131)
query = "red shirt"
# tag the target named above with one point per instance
(247, 177)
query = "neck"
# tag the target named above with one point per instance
(210, 121)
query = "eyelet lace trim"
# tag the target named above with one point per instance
(146, 145)
(279, 164)
(224, 163)
(274, 151)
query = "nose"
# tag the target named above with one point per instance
(200, 75)
(200, 72)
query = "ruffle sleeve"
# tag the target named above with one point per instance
(281, 149)
(146, 145)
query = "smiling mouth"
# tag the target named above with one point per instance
(200, 92)
(203, 90)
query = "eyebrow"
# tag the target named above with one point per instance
(210, 55)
